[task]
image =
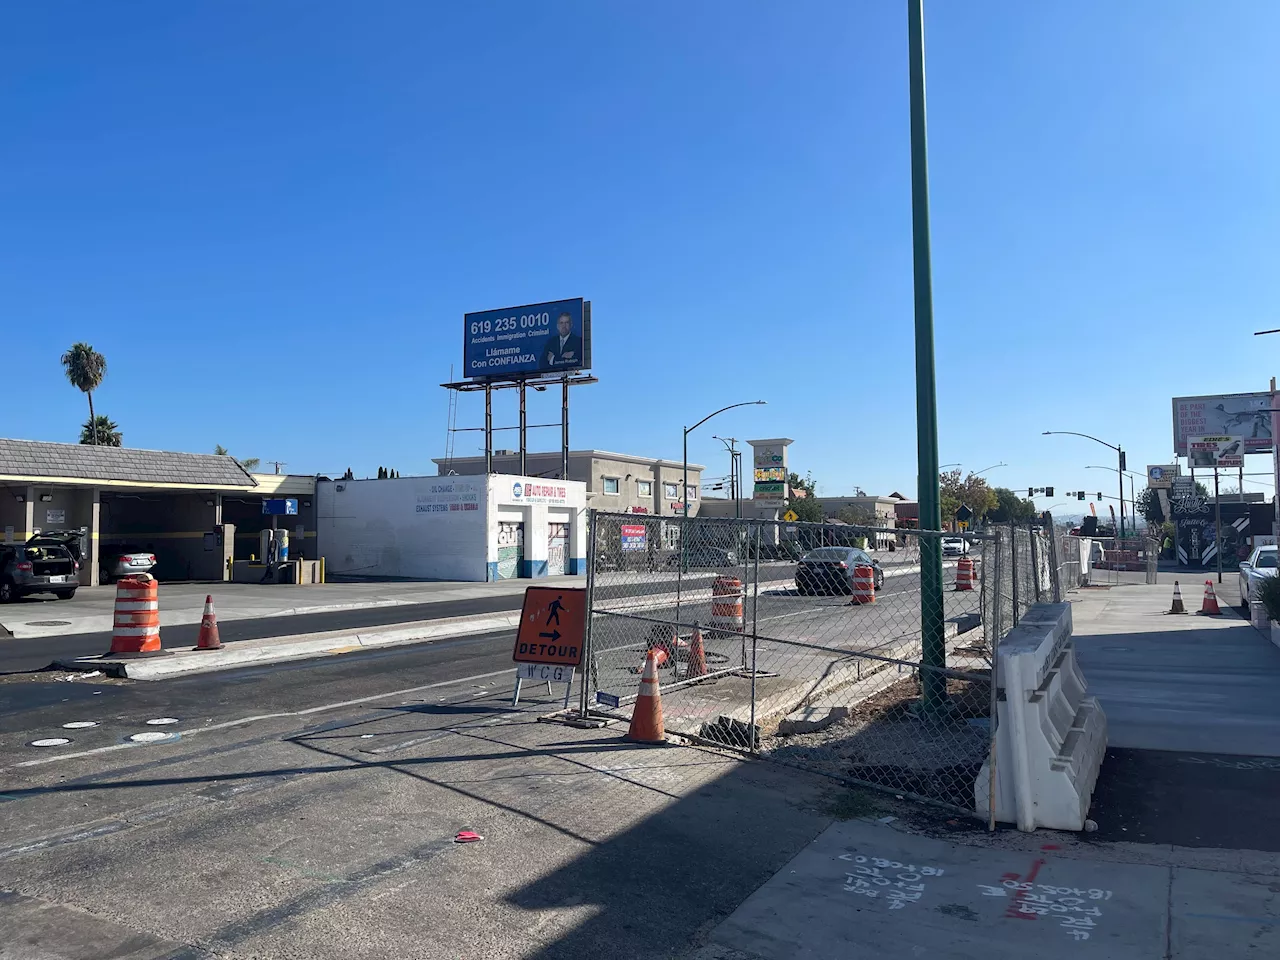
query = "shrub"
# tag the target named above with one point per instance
(1269, 594)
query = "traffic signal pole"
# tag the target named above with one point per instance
(932, 619)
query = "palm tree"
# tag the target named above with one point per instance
(249, 463)
(101, 431)
(86, 368)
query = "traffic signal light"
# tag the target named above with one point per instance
(1080, 495)
(1099, 496)
(1048, 491)
(1031, 492)
(1123, 464)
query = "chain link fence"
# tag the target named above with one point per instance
(819, 645)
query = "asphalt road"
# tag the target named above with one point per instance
(310, 810)
(37, 653)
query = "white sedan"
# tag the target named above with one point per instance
(1262, 563)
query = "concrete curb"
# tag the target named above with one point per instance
(186, 661)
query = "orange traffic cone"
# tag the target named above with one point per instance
(209, 639)
(1210, 606)
(1177, 599)
(697, 657)
(646, 718)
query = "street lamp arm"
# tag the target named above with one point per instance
(1072, 433)
(745, 403)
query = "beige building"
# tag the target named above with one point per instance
(619, 482)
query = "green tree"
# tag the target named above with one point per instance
(971, 490)
(86, 368)
(249, 463)
(803, 501)
(1148, 504)
(101, 431)
(1009, 506)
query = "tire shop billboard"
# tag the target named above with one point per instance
(1245, 415)
(1225, 452)
(538, 339)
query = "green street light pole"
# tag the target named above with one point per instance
(932, 615)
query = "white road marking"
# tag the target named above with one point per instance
(277, 716)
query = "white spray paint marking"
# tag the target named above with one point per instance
(897, 883)
(1077, 911)
(279, 716)
(150, 736)
(50, 742)
(79, 724)
(162, 721)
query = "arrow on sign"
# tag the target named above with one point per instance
(553, 636)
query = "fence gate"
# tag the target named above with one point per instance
(803, 643)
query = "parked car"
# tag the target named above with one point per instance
(830, 570)
(116, 562)
(955, 547)
(1262, 563)
(41, 565)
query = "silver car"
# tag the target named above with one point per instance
(117, 562)
(1262, 563)
(955, 547)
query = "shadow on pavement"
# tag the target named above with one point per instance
(1188, 799)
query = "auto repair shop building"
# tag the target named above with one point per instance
(178, 506)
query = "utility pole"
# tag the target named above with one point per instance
(932, 622)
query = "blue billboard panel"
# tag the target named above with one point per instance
(538, 339)
(283, 507)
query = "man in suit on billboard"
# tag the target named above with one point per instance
(564, 347)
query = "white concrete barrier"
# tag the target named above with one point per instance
(1050, 736)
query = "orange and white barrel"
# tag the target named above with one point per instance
(726, 604)
(137, 616)
(964, 574)
(864, 584)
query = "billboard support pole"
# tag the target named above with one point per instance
(1120, 477)
(523, 431)
(564, 428)
(488, 428)
(1217, 521)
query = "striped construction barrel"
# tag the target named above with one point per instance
(137, 621)
(726, 604)
(863, 583)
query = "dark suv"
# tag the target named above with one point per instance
(41, 565)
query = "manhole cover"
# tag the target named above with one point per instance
(79, 724)
(151, 736)
(51, 742)
(49, 623)
(162, 721)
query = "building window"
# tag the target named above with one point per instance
(644, 488)
(670, 490)
(691, 492)
(611, 485)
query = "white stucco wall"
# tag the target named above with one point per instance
(447, 528)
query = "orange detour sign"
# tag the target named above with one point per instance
(552, 626)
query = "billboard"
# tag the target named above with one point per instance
(1160, 476)
(538, 339)
(1245, 415)
(1216, 451)
(633, 536)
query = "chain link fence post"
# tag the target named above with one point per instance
(1055, 571)
(1035, 559)
(588, 658)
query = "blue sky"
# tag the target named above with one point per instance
(271, 218)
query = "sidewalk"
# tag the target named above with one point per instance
(1186, 861)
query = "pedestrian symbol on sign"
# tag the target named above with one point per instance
(791, 516)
